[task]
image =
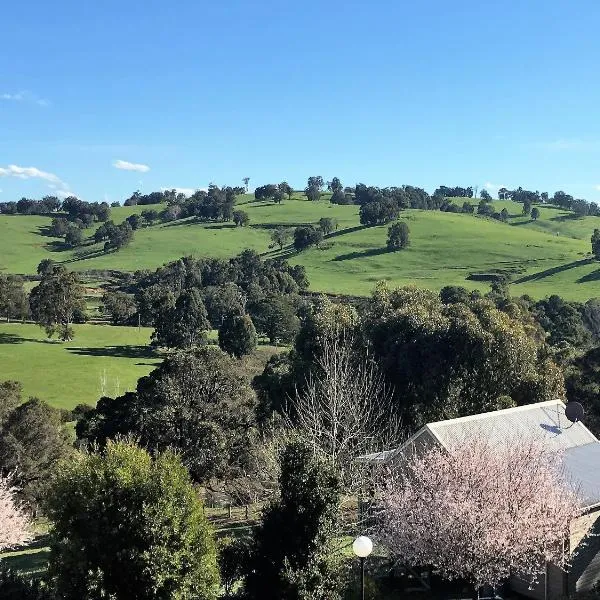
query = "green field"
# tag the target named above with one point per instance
(100, 358)
(550, 255)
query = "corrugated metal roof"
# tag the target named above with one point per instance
(544, 421)
(581, 466)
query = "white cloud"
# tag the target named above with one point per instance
(181, 190)
(597, 187)
(129, 166)
(64, 194)
(24, 96)
(29, 173)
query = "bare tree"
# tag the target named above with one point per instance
(345, 409)
(479, 512)
(246, 180)
(14, 523)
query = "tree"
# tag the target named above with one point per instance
(468, 208)
(10, 398)
(527, 206)
(119, 306)
(281, 236)
(398, 236)
(535, 213)
(58, 227)
(13, 298)
(345, 409)
(246, 180)
(314, 187)
(327, 225)
(135, 221)
(305, 237)
(442, 511)
(485, 195)
(15, 526)
(240, 218)
(276, 319)
(182, 324)
(451, 360)
(46, 266)
(596, 243)
(213, 405)
(237, 335)
(125, 525)
(286, 188)
(33, 439)
(504, 215)
(292, 555)
(56, 301)
(335, 185)
(74, 236)
(222, 301)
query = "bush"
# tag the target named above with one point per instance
(17, 587)
(237, 335)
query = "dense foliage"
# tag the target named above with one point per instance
(125, 525)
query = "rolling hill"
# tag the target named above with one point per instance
(550, 255)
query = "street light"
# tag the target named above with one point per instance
(362, 547)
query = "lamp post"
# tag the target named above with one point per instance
(362, 547)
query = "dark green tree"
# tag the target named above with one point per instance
(596, 243)
(304, 237)
(45, 267)
(292, 555)
(240, 218)
(33, 439)
(182, 325)
(504, 215)
(74, 236)
(535, 213)
(485, 195)
(237, 335)
(286, 188)
(119, 306)
(10, 398)
(398, 236)
(125, 525)
(197, 403)
(223, 300)
(526, 206)
(327, 225)
(276, 319)
(56, 302)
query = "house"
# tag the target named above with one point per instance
(544, 422)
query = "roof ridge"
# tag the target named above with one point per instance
(493, 413)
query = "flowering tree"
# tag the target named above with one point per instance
(14, 523)
(478, 512)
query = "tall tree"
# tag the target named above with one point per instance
(125, 525)
(237, 335)
(184, 324)
(442, 511)
(13, 299)
(197, 403)
(292, 555)
(398, 236)
(596, 243)
(246, 180)
(56, 301)
(240, 218)
(275, 318)
(281, 236)
(535, 213)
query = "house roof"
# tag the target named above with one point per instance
(543, 421)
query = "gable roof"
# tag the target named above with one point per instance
(544, 421)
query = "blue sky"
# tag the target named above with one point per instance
(385, 93)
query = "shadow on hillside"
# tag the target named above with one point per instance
(11, 338)
(45, 230)
(346, 230)
(569, 217)
(362, 254)
(116, 351)
(522, 222)
(278, 225)
(554, 270)
(220, 226)
(593, 276)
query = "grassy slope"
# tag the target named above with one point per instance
(552, 252)
(70, 373)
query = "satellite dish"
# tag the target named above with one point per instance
(574, 412)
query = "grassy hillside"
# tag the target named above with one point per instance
(66, 374)
(550, 255)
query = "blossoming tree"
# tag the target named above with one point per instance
(479, 512)
(14, 523)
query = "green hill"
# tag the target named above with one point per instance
(550, 255)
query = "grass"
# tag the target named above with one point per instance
(550, 255)
(66, 374)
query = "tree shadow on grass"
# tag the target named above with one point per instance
(554, 270)
(11, 338)
(561, 218)
(116, 351)
(593, 276)
(362, 254)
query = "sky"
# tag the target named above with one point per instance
(98, 99)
